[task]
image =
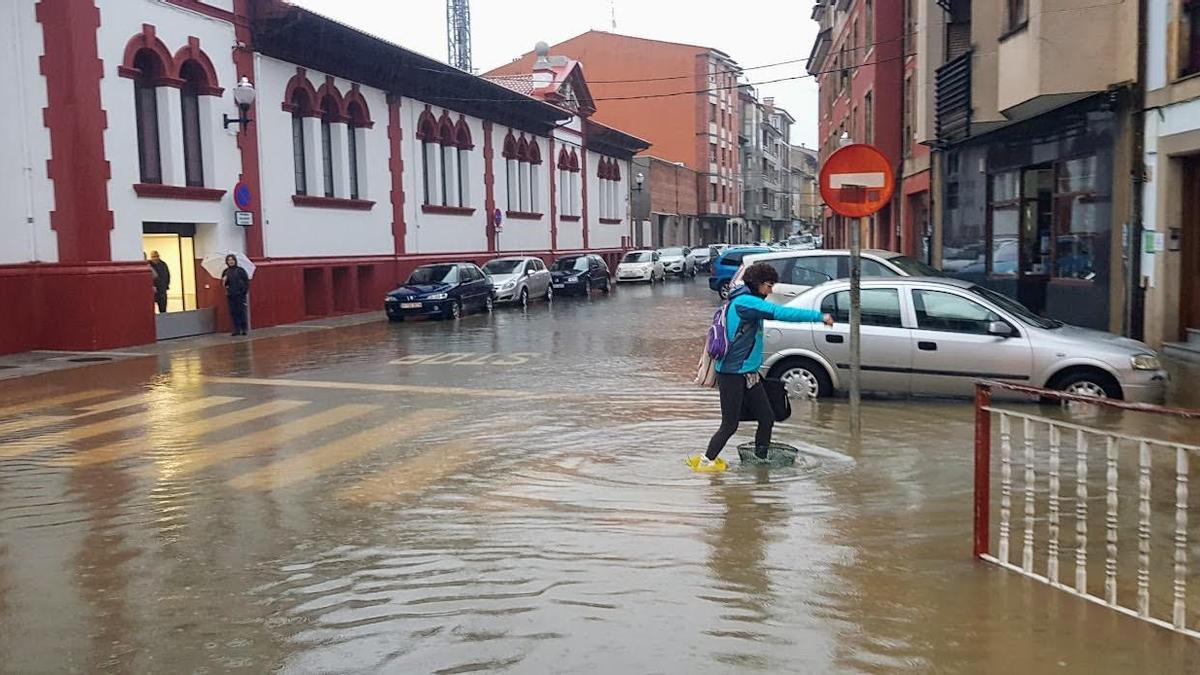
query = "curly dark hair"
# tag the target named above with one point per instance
(758, 274)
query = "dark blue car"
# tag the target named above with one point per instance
(726, 265)
(441, 290)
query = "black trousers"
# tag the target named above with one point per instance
(160, 299)
(237, 310)
(733, 392)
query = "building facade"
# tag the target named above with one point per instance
(634, 80)
(1036, 152)
(807, 205)
(1170, 251)
(345, 175)
(664, 209)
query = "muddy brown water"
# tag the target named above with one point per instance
(508, 494)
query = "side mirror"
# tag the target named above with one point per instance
(1000, 329)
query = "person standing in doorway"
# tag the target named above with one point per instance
(237, 285)
(162, 281)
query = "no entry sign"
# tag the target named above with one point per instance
(857, 181)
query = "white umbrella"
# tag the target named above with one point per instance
(214, 263)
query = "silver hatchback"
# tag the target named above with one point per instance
(928, 336)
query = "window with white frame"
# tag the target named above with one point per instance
(569, 190)
(609, 174)
(521, 156)
(445, 160)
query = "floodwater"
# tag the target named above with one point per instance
(508, 494)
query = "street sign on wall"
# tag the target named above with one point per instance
(857, 181)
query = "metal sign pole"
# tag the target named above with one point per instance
(855, 326)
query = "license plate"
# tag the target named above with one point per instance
(559, 285)
(410, 305)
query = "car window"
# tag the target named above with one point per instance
(637, 257)
(501, 266)
(812, 270)
(937, 310)
(915, 268)
(687, 251)
(657, 257)
(434, 274)
(880, 307)
(872, 268)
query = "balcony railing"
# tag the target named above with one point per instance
(953, 100)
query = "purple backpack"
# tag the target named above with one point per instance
(717, 343)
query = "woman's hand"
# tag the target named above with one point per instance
(827, 320)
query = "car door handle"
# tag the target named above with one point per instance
(927, 346)
(835, 339)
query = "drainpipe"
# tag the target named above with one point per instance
(1134, 323)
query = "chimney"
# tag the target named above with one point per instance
(543, 74)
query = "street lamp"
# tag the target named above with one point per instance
(844, 140)
(243, 96)
(639, 179)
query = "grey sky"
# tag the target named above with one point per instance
(753, 32)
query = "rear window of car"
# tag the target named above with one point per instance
(733, 258)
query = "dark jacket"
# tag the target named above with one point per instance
(162, 275)
(236, 281)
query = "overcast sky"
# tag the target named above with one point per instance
(753, 32)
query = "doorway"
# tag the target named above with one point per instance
(175, 244)
(1189, 249)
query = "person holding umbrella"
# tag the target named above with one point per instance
(237, 285)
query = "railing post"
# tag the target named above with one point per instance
(983, 464)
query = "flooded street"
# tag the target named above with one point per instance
(504, 493)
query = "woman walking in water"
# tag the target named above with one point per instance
(738, 380)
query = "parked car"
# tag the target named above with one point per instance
(641, 266)
(579, 274)
(801, 270)
(726, 265)
(703, 257)
(444, 290)
(802, 242)
(678, 261)
(936, 336)
(518, 279)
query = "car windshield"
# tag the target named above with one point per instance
(671, 251)
(1013, 307)
(569, 264)
(502, 266)
(434, 274)
(915, 268)
(638, 257)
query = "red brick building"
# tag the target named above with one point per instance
(866, 68)
(638, 86)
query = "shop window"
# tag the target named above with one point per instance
(1006, 223)
(1189, 38)
(1079, 214)
(146, 112)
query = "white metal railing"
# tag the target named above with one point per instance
(1037, 446)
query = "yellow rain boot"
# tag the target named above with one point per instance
(700, 464)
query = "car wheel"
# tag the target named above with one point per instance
(587, 287)
(803, 379)
(549, 293)
(524, 301)
(693, 273)
(1092, 383)
(456, 310)
(723, 291)
(489, 304)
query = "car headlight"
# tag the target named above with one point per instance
(509, 285)
(388, 298)
(1145, 362)
(572, 280)
(437, 296)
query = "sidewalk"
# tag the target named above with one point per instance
(45, 361)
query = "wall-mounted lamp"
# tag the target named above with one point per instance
(844, 140)
(243, 96)
(639, 179)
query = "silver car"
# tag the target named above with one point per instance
(516, 280)
(936, 336)
(801, 270)
(678, 261)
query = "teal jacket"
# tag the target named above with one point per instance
(745, 353)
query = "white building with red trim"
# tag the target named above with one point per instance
(362, 161)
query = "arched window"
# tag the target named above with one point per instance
(193, 156)
(510, 171)
(300, 105)
(449, 161)
(329, 115)
(462, 140)
(145, 101)
(534, 157)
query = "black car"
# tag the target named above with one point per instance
(443, 290)
(579, 274)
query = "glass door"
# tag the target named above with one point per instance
(179, 254)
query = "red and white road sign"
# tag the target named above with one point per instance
(857, 181)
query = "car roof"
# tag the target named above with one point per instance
(804, 253)
(641, 250)
(513, 257)
(908, 281)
